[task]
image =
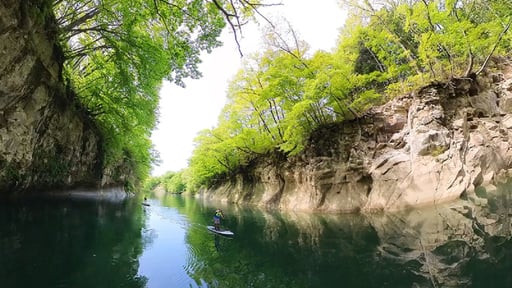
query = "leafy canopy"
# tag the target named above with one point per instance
(117, 52)
(386, 48)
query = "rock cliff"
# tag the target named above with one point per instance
(430, 146)
(47, 140)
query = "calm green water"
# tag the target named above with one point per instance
(97, 244)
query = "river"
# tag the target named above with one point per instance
(86, 243)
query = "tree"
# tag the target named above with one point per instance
(387, 48)
(213, 157)
(175, 183)
(434, 39)
(117, 52)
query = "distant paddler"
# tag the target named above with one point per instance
(216, 218)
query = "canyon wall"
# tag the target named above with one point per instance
(431, 146)
(47, 140)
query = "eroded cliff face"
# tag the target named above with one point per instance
(424, 148)
(46, 140)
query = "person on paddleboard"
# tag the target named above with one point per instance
(216, 218)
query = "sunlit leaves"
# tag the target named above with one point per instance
(175, 183)
(117, 52)
(387, 48)
(214, 155)
(437, 38)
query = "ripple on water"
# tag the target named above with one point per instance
(192, 263)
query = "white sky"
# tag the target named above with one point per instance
(186, 111)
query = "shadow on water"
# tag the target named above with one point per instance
(70, 244)
(462, 244)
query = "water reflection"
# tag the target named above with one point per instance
(457, 245)
(89, 244)
(462, 244)
(70, 244)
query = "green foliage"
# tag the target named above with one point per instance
(151, 183)
(437, 150)
(386, 49)
(118, 52)
(435, 39)
(214, 155)
(175, 184)
(172, 182)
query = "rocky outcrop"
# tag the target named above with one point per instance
(427, 147)
(47, 140)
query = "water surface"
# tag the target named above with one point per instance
(100, 244)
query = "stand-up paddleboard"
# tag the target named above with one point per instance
(221, 232)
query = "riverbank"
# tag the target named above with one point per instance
(431, 146)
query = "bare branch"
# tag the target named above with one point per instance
(442, 47)
(89, 15)
(237, 28)
(503, 32)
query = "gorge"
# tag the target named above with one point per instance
(434, 145)
(48, 140)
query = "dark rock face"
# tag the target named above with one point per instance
(428, 147)
(46, 140)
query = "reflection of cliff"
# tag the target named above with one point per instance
(272, 249)
(458, 245)
(70, 244)
(461, 244)
(307, 231)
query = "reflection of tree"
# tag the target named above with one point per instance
(272, 249)
(147, 235)
(72, 244)
(454, 245)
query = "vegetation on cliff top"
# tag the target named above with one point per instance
(117, 52)
(172, 182)
(387, 48)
